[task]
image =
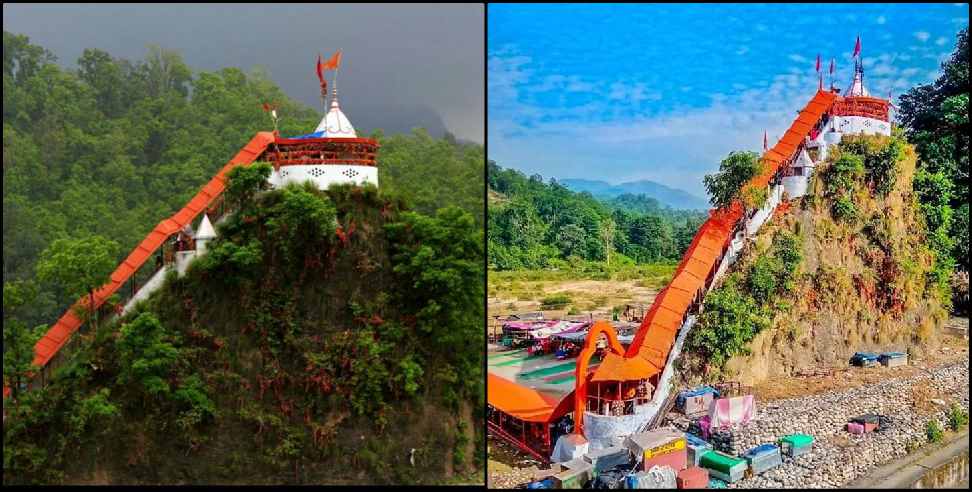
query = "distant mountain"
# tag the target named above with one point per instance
(672, 197)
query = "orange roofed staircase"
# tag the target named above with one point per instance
(648, 353)
(58, 335)
(699, 269)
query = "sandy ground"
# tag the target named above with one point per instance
(595, 297)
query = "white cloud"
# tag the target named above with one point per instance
(882, 69)
(742, 50)
(881, 19)
(922, 36)
(941, 41)
(798, 58)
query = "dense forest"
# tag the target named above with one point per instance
(111, 148)
(537, 225)
(289, 353)
(936, 119)
(205, 382)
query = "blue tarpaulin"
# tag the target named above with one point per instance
(680, 400)
(320, 134)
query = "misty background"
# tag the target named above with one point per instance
(404, 66)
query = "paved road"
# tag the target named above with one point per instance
(903, 472)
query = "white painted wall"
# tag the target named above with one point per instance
(860, 124)
(324, 175)
(795, 186)
(151, 286)
(764, 213)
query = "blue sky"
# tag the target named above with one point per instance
(663, 92)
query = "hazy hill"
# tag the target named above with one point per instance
(672, 197)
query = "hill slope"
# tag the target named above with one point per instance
(847, 268)
(672, 197)
(322, 336)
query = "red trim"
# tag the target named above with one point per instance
(296, 141)
(522, 446)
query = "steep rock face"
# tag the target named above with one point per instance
(301, 348)
(862, 282)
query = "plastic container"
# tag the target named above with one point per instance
(607, 458)
(763, 458)
(723, 466)
(661, 447)
(576, 475)
(696, 448)
(693, 477)
(795, 445)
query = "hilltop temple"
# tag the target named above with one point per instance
(552, 410)
(332, 154)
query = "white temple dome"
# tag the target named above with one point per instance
(205, 230)
(857, 88)
(335, 124)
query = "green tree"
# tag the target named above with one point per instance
(735, 170)
(729, 321)
(104, 75)
(442, 258)
(81, 266)
(18, 340)
(146, 354)
(245, 182)
(936, 119)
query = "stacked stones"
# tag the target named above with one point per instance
(839, 457)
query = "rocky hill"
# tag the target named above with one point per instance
(845, 268)
(322, 338)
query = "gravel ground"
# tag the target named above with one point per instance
(838, 457)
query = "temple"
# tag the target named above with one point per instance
(619, 388)
(333, 154)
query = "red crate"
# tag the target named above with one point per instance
(693, 477)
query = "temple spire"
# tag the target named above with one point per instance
(857, 88)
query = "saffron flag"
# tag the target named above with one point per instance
(334, 62)
(320, 77)
(857, 47)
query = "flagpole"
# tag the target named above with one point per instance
(323, 89)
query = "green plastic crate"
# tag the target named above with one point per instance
(721, 462)
(797, 440)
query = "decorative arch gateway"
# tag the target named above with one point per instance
(583, 360)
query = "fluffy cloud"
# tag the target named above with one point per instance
(922, 36)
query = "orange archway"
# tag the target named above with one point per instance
(590, 345)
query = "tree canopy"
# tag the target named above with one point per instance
(727, 185)
(114, 146)
(538, 225)
(936, 118)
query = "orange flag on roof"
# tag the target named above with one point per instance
(333, 63)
